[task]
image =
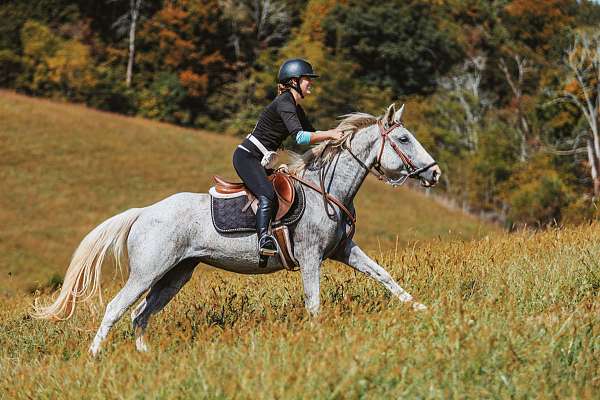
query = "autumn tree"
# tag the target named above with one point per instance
(183, 58)
(540, 25)
(54, 63)
(582, 89)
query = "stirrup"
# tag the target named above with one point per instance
(267, 251)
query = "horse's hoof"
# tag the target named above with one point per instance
(418, 306)
(140, 345)
(93, 352)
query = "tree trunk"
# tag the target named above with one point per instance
(583, 62)
(594, 167)
(516, 85)
(135, 11)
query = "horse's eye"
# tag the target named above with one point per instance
(404, 139)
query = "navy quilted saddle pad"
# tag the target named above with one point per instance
(227, 215)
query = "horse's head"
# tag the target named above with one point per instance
(401, 156)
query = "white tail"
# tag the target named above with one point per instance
(82, 280)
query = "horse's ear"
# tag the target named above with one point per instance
(388, 118)
(398, 115)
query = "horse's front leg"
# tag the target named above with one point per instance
(310, 268)
(352, 255)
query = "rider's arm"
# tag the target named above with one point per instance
(309, 135)
(304, 137)
(287, 112)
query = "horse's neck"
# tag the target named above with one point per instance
(345, 175)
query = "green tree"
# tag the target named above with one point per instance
(339, 90)
(399, 44)
(537, 194)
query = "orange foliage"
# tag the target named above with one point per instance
(315, 12)
(195, 84)
(537, 22)
(572, 86)
(212, 58)
(172, 22)
(181, 36)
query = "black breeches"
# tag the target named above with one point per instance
(253, 174)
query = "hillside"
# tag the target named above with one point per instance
(65, 168)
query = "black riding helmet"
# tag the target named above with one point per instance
(295, 68)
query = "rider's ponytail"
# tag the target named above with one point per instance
(283, 87)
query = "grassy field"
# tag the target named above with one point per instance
(510, 316)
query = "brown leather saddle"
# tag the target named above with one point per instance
(282, 183)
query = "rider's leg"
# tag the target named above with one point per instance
(254, 177)
(264, 216)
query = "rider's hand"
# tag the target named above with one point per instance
(335, 134)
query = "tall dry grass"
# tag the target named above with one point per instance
(511, 316)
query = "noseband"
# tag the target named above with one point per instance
(376, 169)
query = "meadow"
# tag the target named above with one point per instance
(510, 315)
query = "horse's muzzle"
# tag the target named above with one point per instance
(432, 180)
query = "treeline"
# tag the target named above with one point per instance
(505, 94)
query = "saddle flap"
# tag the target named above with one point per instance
(284, 188)
(285, 247)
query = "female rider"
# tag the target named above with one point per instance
(281, 118)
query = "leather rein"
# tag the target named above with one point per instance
(413, 171)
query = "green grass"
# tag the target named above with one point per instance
(510, 315)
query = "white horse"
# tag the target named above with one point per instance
(167, 240)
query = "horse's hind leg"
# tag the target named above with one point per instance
(147, 265)
(128, 295)
(159, 296)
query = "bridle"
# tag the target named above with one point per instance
(376, 170)
(412, 170)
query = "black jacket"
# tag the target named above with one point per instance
(281, 118)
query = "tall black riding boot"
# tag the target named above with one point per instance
(266, 242)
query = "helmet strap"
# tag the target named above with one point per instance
(297, 88)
